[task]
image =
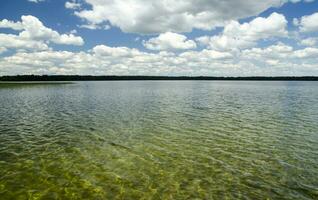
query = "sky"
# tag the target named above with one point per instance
(167, 37)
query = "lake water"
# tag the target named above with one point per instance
(159, 140)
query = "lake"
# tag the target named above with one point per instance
(159, 140)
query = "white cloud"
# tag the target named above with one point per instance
(104, 51)
(68, 40)
(34, 35)
(307, 53)
(307, 23)
(278, 51)
(311, 41)
(10, 41)
(233, 52)
(36, 1)
(34, 29)
(206, 55)
(152, 16)
(279, 59)
(95, 26)
(169, 41)
(281, 56)
(297, 1)
(242, 36)
(74, 31)
(10, 24)
(72, 5)
(2, 50)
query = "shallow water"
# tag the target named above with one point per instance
(159, 140)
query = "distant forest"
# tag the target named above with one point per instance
(149, 78)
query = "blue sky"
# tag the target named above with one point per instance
(139, 37)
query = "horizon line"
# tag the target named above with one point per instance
(150, 77)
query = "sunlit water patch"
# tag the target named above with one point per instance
(159, 140)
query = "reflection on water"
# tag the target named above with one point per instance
(159, 140)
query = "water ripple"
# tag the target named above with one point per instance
(159, 140)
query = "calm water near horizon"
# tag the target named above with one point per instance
(159, 140)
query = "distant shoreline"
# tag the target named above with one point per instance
(35, 82)
(54, 78)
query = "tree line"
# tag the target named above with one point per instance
(146, 78)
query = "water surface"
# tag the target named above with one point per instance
(159, 140)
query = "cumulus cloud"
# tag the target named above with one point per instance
(11, 24)
(2, 50)
(307, 53)
(106, 51)
(307, 23)
(278, 51)
(10, 41)
(297, 1)
(169, 41)
(206, 55)
(241, 36)
(234, 51)
(72, 5)
(282, 58)
(36, 1)
(310, 42)
(152, 16)
(278, 59)
(34, 29)
(95, 26)
(34, 35)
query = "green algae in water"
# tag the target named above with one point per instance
(159, 140)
